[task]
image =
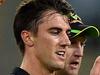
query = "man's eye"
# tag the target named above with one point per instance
(83, 44)
(73, 42)
(68, 33)
(55, 32)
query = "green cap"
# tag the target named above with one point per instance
(79, 29)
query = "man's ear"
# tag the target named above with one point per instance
(27, 38)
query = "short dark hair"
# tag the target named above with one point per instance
(29, 14)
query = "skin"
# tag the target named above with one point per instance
(96, 67)
(46, 52)
(74, 57)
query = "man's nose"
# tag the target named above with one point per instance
(65, 40)
(78, 52)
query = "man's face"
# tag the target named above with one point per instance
(52, 41)
(74, 56)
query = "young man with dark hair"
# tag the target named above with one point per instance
(74, 53)
(42, 31)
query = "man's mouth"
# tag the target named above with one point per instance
(74, 64)
(61, 53)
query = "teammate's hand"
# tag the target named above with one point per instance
(96, 67)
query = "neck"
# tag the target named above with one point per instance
(32, 65)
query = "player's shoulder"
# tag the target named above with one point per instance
(19, 71)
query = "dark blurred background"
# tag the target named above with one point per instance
(10, 56)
